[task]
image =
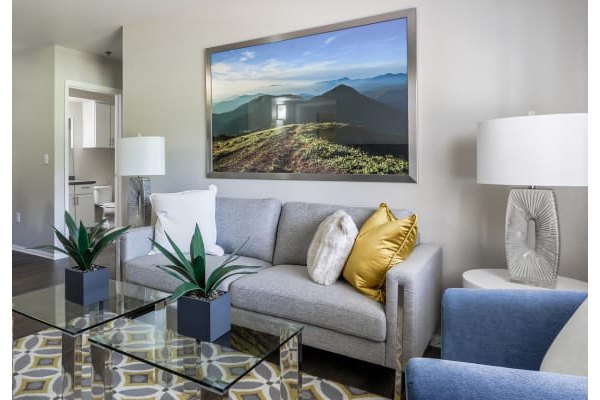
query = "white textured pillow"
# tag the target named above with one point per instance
(178, 213)
(330, 247)
(568, 353)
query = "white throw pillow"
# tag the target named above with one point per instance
(568, 353)
(178, 213)
(330, 247)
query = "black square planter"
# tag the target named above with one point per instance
(204, 320)
(87, 287)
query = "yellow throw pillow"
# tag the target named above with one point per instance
(382, 242)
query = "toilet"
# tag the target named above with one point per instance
(103, 197)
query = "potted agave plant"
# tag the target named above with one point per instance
(86, 282)
(203, 311)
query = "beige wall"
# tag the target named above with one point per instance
(476, 60)
(77, 66)
(39, 78)
(32, 137)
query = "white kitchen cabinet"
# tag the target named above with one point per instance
(85, 209)
(71, 203)
(81, 204)
(98, 125)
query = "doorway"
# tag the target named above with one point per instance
(92, 129)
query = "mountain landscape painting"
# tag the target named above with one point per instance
(331, 104)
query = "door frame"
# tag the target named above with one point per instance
(118, 121)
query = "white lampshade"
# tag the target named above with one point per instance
(533, 150)
(141, 156)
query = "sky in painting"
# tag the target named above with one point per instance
(287, 66)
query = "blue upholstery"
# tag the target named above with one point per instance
(505, 328)
(451, 380)
(493, 343)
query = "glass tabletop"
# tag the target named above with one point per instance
(50, 307)
(152, 338)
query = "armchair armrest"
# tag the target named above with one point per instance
(505, 328)
(135, 243)
(451, 380)
(413, 293)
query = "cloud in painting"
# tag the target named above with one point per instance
(279, 77)
(247, 55)
(281, 71)
(222, 68)
(356, 53)
(273, 69)
(330, 39)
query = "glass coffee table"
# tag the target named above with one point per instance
(50, 307)
(210, 369)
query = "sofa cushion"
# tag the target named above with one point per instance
(238, 219)
(330, 247)
(299, 222)
(287, 291)
(179, 213)
(143, 271)
(383, 241)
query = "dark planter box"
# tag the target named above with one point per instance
(204, 320)
(87, 287)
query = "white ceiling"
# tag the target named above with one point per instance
(89, 25)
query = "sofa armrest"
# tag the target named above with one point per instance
(135, 243)
(413, 293)
(505, 328)
(450, 380)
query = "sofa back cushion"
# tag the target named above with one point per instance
(299, 222)
(238, 219)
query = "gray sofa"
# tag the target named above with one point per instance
(337, 318)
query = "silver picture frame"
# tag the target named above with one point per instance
(411, 67)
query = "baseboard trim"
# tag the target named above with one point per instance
(55, 255)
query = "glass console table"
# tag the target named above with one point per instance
(50, 307)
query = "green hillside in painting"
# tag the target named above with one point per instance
(300, 148)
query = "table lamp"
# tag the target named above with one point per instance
(533, 151)
(140, 157)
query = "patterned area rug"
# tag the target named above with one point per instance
(37, 363)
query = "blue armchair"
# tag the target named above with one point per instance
(493, 343)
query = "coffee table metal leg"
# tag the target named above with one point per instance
(71, 366)
(204, 394)
(290, 358)
(101, 373)
(191, 360)
(161, 305)
(163, 378)
(164, 351)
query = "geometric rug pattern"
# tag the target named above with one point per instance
(37, 371)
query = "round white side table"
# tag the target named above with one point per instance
(497, 278)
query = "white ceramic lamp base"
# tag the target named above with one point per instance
(532, 237)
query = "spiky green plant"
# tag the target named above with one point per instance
(192, 272)
(81, 246)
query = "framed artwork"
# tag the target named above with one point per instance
(331, 103)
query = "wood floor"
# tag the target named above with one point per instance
(30, 273)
